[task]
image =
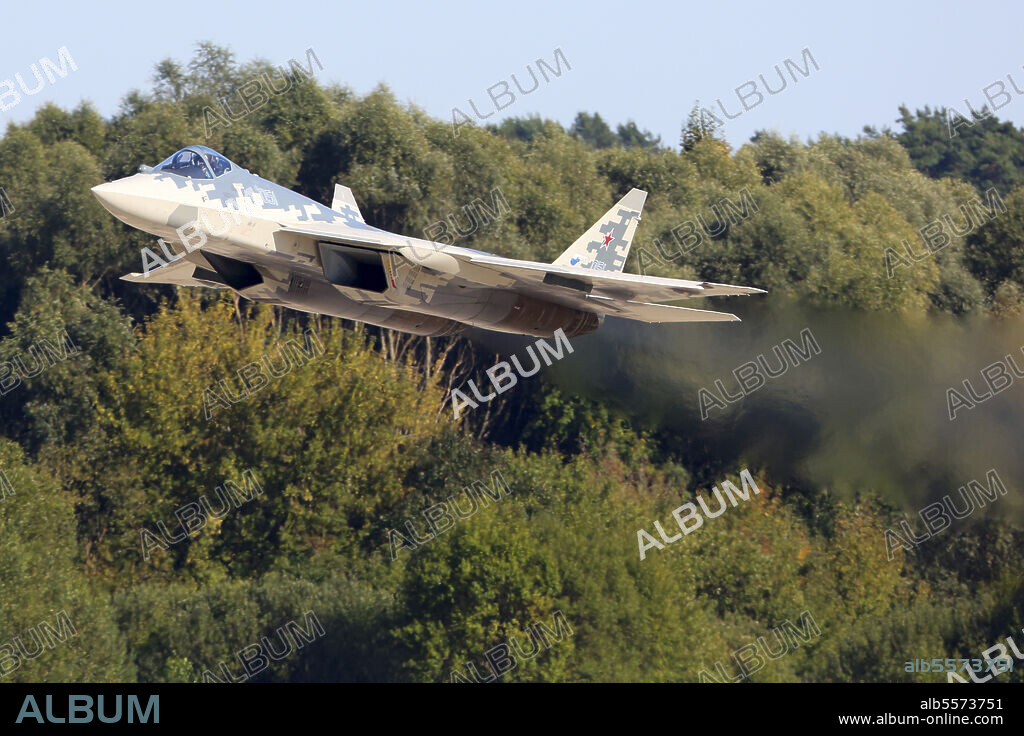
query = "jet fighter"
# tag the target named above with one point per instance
(235, 230)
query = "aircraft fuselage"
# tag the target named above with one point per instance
(239, 229)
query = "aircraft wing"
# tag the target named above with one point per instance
(615, 284)
(612, 293)
(615, 294)
(646, 312)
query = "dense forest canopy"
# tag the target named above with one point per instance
(173, 540)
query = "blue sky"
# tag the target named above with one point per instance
(645, 61)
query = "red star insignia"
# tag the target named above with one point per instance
(607, 238)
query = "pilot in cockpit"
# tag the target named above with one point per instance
(186, 163)
(192, 163)
(218, 163)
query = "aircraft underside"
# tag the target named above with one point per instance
(450, 309)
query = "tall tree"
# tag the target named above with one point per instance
(593, 130)
(630, 136)
(982, 150)
(700, 125)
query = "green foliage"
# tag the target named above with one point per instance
(572, 425)
(700, 125)
(592, 129)
(984, 152)
(257, 151)
(995, 252)
(328, 441)
(65, 336)
(184, 633)
(83, 125)
(41, 579)
(475, 587)
(630, 136)
(525, 129)
(378, 150)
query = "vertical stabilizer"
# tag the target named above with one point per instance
(605, 245)
(345, 203)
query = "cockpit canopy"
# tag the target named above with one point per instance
(196, 162)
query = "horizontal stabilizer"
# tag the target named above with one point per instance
(654, 313)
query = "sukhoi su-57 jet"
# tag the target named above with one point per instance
(241, 232)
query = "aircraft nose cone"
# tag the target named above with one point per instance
(122, 199)
(98, 190)
(111, 195)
